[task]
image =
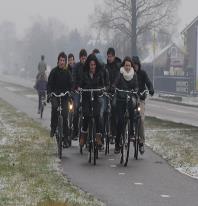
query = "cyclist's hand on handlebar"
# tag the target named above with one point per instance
(151, 92)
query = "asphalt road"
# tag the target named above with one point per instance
(150, 181)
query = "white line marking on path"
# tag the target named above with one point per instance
(165, 196)
(111, 159)
(121, 173)
(113, 166)
(138, 183)
(179, 111)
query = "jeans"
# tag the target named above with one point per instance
(103, 109)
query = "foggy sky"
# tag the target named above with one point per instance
(74, 13)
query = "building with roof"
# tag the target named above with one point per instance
(190, 34)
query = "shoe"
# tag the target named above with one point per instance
(75, 138)
(83, 137)
(65, 144)
(98, 139)
(100, 148)
(52, 132)
(141, 148)
(117, 149)
(112, 140)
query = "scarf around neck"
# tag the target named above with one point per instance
(128, 76)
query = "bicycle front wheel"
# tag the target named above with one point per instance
(60, 135)
(41, 111)
(125, 145)
(136, 141)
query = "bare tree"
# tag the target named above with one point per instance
(134, 17)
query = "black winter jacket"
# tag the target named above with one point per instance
(89, 83)
(59, 81)
(144, 82)
(113, 69)
(122, 84)
(77, 74)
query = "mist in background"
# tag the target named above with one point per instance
(30, 28)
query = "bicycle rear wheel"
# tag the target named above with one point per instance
(41, 111)
(60, 135)
(95, 145)
(136, 141)
(125, 146)
(107, 134)
(70, 128)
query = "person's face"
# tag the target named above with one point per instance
(127, 66)
(136, 67)
(61, 63)
(92, 67)
(71, 61)
(110, 58)
(83, 59)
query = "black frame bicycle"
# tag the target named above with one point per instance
(125, 135)
(107, 120)
(92, 146)
(59, 128)
(43, 103)
(137, 122)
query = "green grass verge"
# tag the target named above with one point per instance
(30, 171)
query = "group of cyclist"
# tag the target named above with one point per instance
(91, 72)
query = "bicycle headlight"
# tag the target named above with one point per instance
(70, 106)
(139, 109)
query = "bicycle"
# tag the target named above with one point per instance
(92, 146)
(137, 123)
(42, 104)
(59, 128)
(107, 122)
(125, 135)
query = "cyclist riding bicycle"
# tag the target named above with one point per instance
(41, 87)
(92, 79)
(59, 81)
(143, 83)
(77, 73)
(127, 80)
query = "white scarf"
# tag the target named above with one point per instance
(128, 76)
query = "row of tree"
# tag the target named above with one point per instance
(132, 27)
(48, 37)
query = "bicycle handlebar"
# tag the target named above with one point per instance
(126, 91)
(91, 90)
(146, 91)
(61, 94)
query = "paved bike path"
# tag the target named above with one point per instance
(150, 181)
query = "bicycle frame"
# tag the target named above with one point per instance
(92, 144)
(125, 137)
(59, 129)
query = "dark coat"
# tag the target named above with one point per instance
(113, 70)
(77, 74)
(59, 81)
(122, 84)
(144, 82)
(41, 85)
(89, 83)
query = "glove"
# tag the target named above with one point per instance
(151, 92)
(48, 98)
